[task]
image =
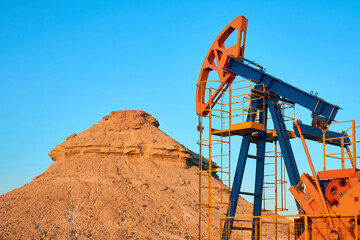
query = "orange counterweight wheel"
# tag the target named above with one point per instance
(336, 189)
(217, 59)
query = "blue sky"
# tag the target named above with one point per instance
(66, 64)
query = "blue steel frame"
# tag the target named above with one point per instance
(275, 88)
(288, 156)
(239, 173)
(284, 141)
(316, 134)
(259, 174)
(318, 106)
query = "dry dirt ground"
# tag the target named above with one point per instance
(123, 178)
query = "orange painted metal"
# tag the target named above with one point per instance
(350, 201)
(325, 206)
(352, 160)
(311, 202)
(341, 196)
(336, 190)
(336, 173)
(216, 59)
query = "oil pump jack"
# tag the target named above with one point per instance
(322, 198)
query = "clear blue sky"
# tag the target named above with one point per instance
(66, 64)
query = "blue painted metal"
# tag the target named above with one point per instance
(315, 104)
(259, 176)
(235, 191)
(284, 141)
(247, 193)
(252, 156)
(276, 88)
(316, 134)
(288, 156)
(239, 174)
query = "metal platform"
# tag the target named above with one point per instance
(271, 136)
(240, 129)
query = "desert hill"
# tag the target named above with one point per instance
(123, 178)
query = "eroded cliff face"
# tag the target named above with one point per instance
(126, 133)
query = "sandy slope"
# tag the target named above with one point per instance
(122, 178)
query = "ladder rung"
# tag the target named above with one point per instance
(247, 193)
(220, 155)
(252, 156)
(242, 228)
(220, 192)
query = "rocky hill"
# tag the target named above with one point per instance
(123, 178)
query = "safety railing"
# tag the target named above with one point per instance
(274, 192)
(247, 100)
(214, 162)
(239, 102)
(287, 111)
(304, 227)
(347, 143)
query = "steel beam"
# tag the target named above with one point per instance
(316, 134)
(235, 191)
(259, 176)
(284, 141)
(239, 175)
(315, 104)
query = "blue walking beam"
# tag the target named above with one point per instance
(318, 106)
